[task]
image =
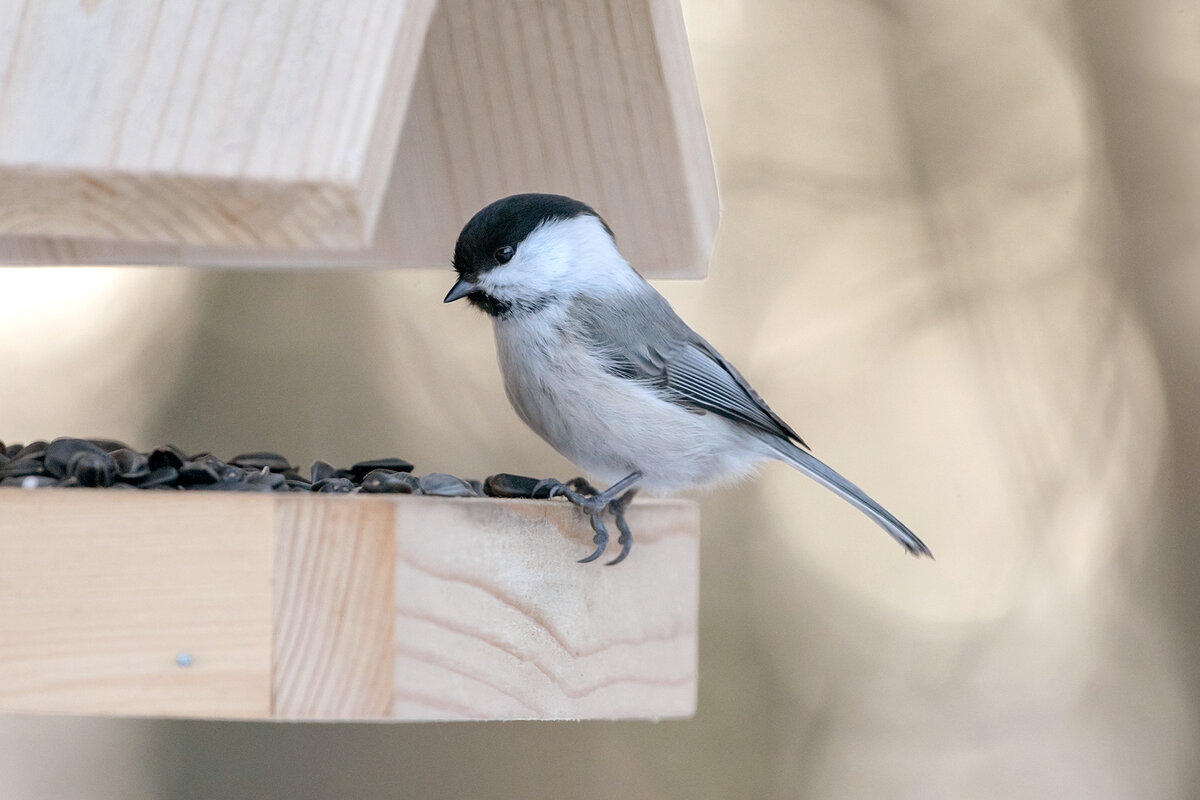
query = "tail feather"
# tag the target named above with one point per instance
(831, 479)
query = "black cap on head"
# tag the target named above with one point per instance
(506, 223)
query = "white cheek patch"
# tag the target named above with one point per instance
(561, 257)
(544, 258)
(501, 281)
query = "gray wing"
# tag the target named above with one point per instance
(645, 340)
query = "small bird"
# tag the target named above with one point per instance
(597, 362)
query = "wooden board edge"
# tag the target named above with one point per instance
(334, 600)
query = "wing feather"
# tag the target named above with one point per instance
(642, 338)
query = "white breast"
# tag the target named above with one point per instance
(611, 426)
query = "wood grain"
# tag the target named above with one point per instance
(495, 620)
(591, 98)
(576, 97)
(204, 122)
(101, 592)
(341, 607)
(333, 644)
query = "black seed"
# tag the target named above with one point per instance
(272, 461)
(71, 461)
(208, 459)
(386, 481)
(39, 481)
(164, 477)
(108, 445)
(166, 456)
(229, 473)
(442, 485)
(506, 485)
(92, 468)
(394, 464)
(197, 473)
(131, 465)
(60, 452)
(321, 470)
(265, 478)
(20, 467)
(33, 449)
(336, 485)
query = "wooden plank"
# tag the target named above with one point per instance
(211, 122)
(340, 608)
(334, 601)
(595, 100)
(495, 620)
(100, 593)
(591, 98)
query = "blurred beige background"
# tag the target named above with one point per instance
(958, 253)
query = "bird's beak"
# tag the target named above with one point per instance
(459, 290)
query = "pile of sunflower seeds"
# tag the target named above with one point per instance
(68, 462)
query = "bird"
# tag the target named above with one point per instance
(598, 364)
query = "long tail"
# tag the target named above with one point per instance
(828, 477)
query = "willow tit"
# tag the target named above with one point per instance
(598, 363)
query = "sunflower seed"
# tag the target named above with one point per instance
(321, 470)
(20, 467)
(272, 461)
(360, 469)
(92, 468)
(166, 456)
(335, 485)
(385, 481)
(59, 453)
(506, 485)
(131, 465)
(443, 485)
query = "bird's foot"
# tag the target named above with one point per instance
(618, 507)
(615, 498)
(550, 487)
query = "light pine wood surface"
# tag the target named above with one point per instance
(101, 592)
(213, 122)
(355, 134)
(353, 607)
(495, 620)
(334, 596)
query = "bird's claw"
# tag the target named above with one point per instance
(618, 507)
(600, 539)
(615, 499)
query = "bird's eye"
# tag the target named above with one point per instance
(504, 254)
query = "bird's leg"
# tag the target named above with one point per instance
(614, 497)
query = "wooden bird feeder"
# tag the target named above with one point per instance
(342, 133)
(332, 134)
(351, 607)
